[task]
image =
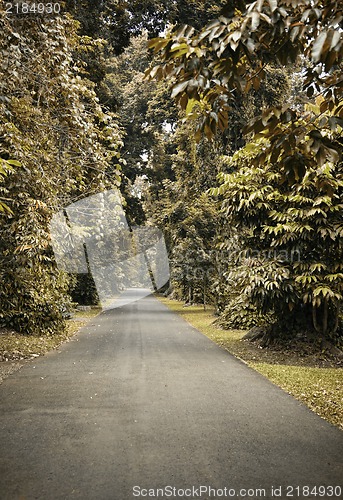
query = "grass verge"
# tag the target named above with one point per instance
(15, 348)
(301, 371)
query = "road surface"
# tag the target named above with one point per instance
(140, 403)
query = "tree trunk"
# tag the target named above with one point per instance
(314, 319)
(204, 292)
(325, 316)
(335, 328)
(258, 332)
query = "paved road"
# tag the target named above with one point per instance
(141, 399)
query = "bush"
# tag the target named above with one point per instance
(83, 290)
(37, 300)
(242, 315)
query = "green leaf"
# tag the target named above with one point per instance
(13, 162)
(323, 291)
(179, 49)
(190, 105)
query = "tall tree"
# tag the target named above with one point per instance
(146, 115)
(229, 57)
(63, 145)
(297, 148)
(180, 205)
(117, 21)
(291, 250)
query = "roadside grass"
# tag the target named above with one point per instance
(300, 372)
(319, 388)
(16, 347)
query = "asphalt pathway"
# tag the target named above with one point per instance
(140, 400)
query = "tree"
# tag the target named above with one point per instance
(63, 146)
(146, 115)
(6, 167)
(285, 187)
(118, 21)
(291, 236)
(229, 57)
(182, 207)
